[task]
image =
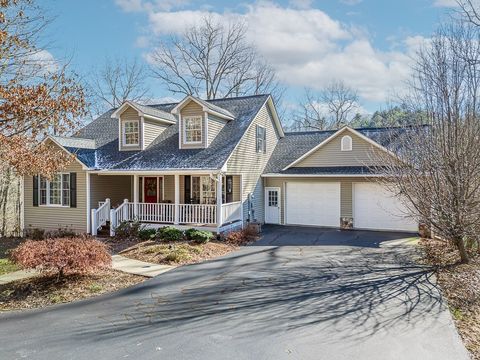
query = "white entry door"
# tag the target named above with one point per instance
(272, 205)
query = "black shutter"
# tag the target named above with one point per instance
(257, 136)
(35, 190)
(264, 140)
(73, 190)
(187, 188)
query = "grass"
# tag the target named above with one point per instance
(6, 266)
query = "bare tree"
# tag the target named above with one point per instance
(329, 109)
(470, 11)
(213, 60)
(117, 81)
(436, 171)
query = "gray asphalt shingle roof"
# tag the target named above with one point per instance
(152, 111)
(164, 152)
(296, 144)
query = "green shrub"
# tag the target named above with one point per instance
(128, 230)
(189, 232)
(200, 236)
(147, 234)
(178, 255)
(170, 233)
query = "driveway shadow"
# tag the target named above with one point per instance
(277, 235)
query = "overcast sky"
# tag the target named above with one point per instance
(366, 43)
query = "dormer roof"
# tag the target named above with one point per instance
(145, 111)
(207, 106)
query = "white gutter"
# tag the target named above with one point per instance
(157, 172)
(323, 175)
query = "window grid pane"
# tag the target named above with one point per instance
(131, 133)
(55, 190)
(193, 129)
(66, 189)
(43, 191)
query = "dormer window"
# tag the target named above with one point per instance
(346, 143)
(131, 133)
(193, 129)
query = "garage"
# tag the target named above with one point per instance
(376, 208)
(315, 203)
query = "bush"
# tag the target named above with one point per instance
(200, 236)
(170, 233)
(35, 234)
(241, 237)
(81, 255)
(189, 232)
(147, 234)
(128, 230)
(64, 232)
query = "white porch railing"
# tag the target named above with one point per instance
(231, 212)
(197, 214)
(100, 216)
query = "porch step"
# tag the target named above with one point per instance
(104, 231)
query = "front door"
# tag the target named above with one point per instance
(272, 205)
(150, 189)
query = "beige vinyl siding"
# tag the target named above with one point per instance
(114, 187)
(129, 115)
(236, 188)
(215, 125)
(363, 154)
(169, 188)
(250, 164)
(151, 130)
(53, 218)
(346, 207)
(192, 109)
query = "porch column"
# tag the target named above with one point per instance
(177, 199)
(135, 196)
(219, 199)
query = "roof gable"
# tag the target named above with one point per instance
(206, 106)
(145, 111)
(361, 154)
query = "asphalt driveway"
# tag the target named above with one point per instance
(299, 293)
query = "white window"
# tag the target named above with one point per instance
(131, 133)
(346, 143)
(55, 192)
(203, 190)
(192, 129)
(261, 139)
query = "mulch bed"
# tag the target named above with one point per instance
(7, 244)
(460, 284)
(42, 291)
(178, 252)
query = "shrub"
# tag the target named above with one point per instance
(64, 232)
(63, 256)
(128, 230)
(170, 233)
(189, 232)
(200, 236)
(147, 234)
(35, 234)
(178, 255)
(241, 237)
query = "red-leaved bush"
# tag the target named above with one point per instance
(63, 256)
(241, 237)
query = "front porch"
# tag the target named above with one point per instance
(205, 201)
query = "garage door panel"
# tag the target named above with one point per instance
(313, 204)
(376, 208)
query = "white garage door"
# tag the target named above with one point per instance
(376, 208)
(313, 204)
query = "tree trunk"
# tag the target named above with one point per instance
(462, 250)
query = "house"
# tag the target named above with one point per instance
(216, 165)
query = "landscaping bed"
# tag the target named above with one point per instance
(42, 291)
(460, 284)
(177, 253)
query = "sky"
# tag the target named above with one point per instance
(368, 44)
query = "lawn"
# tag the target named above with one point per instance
(7, 266)
(460, 284)
(178, 252)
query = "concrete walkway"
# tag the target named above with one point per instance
(136, 267)
(17, 275)
(119, 263)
